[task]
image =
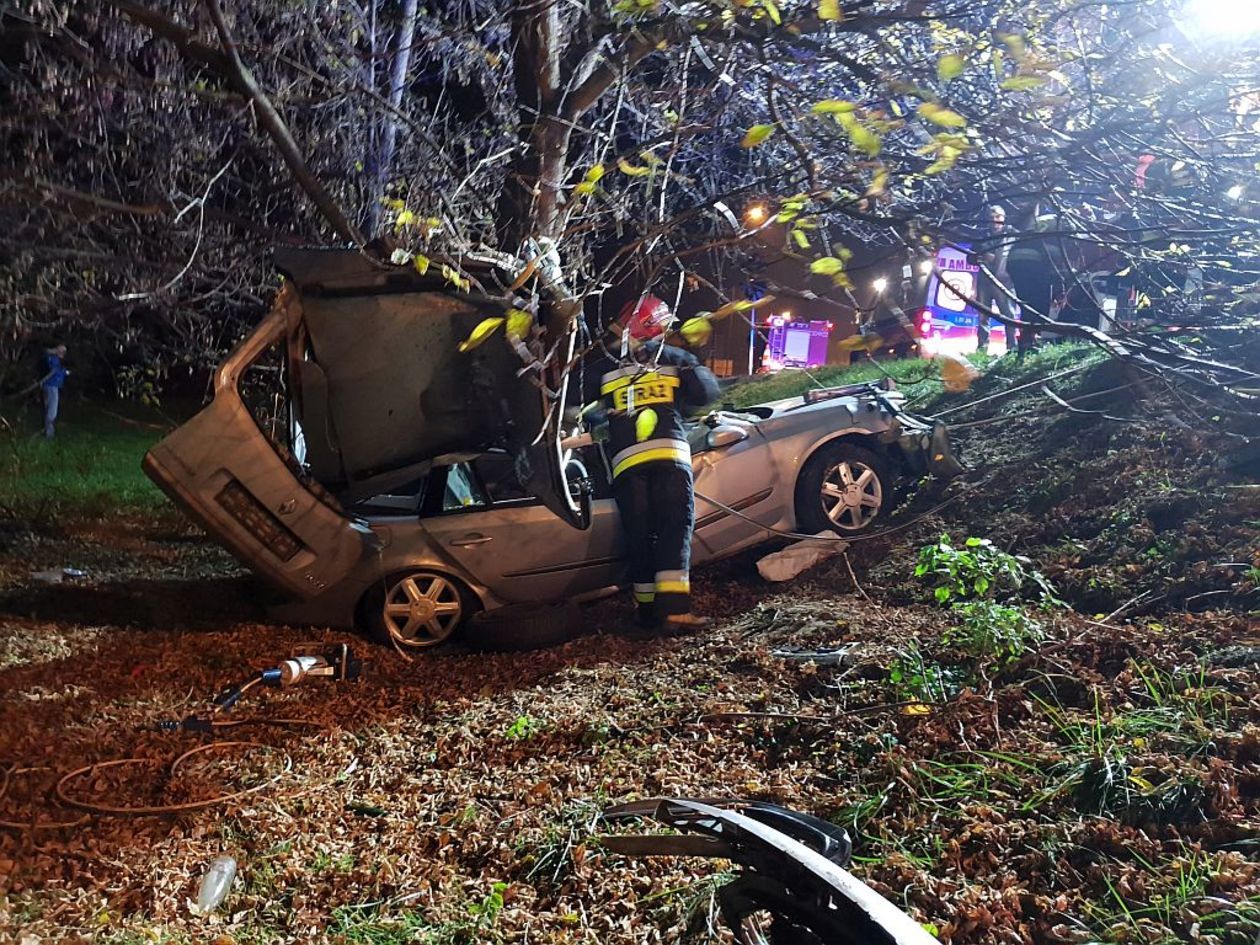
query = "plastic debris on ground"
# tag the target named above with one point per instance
(799, 557)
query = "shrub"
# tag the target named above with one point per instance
(989, 630)
(979, 570)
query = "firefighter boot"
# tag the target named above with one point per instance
(676, 625)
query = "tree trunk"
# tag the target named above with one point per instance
(397, 84)
(531, 200)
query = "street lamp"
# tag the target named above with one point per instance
(755, 213)
(1224, 18)
(879, 285)
(925, 267)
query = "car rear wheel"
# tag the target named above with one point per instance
(417, 609)
(843, 488)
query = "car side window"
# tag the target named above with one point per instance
(401, 500)
(498, 474)
(462, 490)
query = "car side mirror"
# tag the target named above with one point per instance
(725, 436)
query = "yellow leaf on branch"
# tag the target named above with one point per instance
(456, 278)
(830, 10)
(634, 170)
(645, 424)
(1023, 83)
(756, 135)
(519, 322)
(696, 331)
(479, 334)
(740, 305)
(940, 115)
(950, 67)
(833, 106)
(826, 266)
(879, 182)
(862, 137)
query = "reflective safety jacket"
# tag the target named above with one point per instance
(645, 400)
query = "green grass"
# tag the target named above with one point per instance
(1161, 901)
(92, 466)
(918, 378)
(364, 925)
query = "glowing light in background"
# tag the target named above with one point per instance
(755, 213)
(1236, 19)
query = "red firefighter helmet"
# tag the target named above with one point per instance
(646, 318)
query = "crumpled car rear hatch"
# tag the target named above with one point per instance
(379, 388)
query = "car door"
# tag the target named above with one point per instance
(516, 546)
(742, 476)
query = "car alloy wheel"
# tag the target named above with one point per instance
(852, 494)
(421, 609)
(842, 488)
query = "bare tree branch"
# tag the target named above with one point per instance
(229, 64)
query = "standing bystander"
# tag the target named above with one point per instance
(993, 297)
(54, 377)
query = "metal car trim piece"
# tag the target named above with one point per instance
(559, 569)
(754, 840)
(739, 506)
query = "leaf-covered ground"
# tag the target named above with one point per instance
(1100, 781)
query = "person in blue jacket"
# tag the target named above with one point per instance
(50, 386)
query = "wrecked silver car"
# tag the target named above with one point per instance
(401, 487)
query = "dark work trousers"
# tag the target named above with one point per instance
(990, 295)
(1033, 281)
(657, 512)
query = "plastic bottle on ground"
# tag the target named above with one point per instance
(215, 883)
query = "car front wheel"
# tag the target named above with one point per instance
(842, 488)
(416, 609)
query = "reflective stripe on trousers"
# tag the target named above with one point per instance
(657, 515)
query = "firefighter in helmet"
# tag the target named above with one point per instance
(645, 389)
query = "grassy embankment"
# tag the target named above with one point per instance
(93, 465)
(918, 379)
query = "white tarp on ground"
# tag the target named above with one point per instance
(800, 556)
